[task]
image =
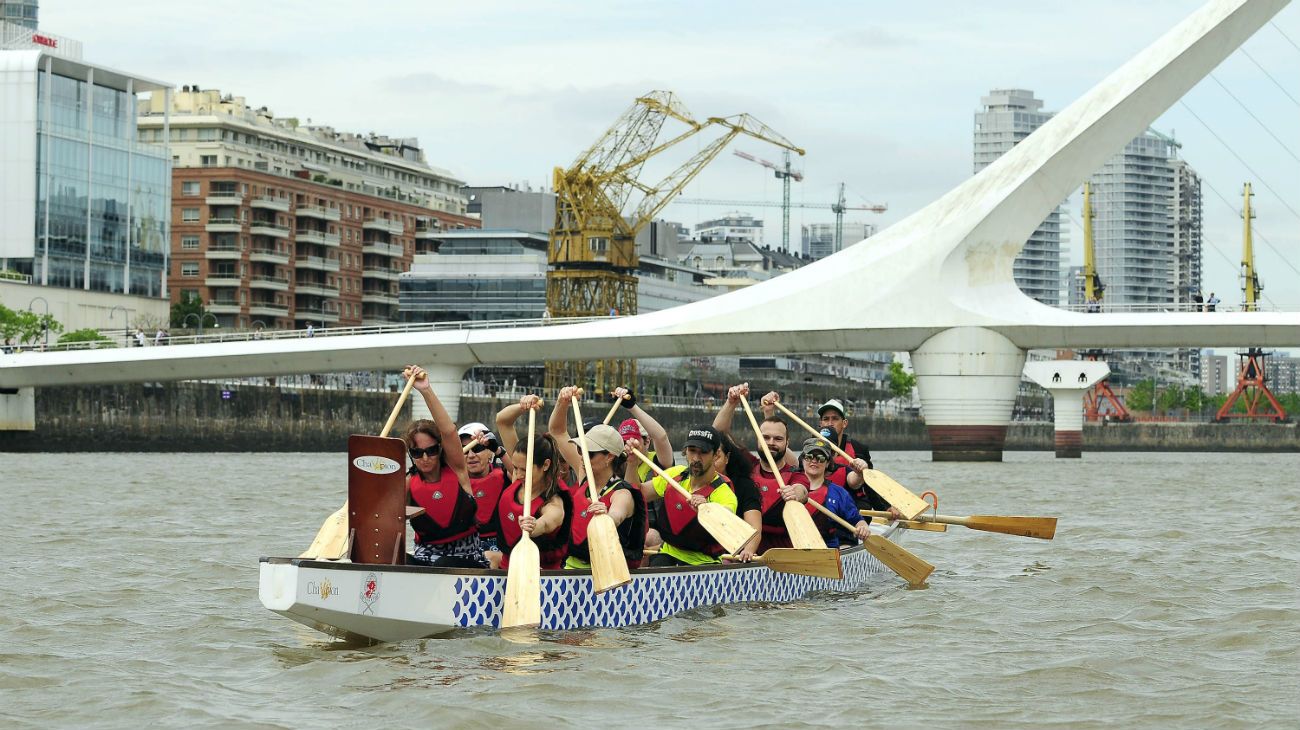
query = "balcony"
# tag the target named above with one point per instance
(316, 211)
(268, 256)
(224, 225)
(382, 249)
(427, 229)
(226, 252)
(267, 309)
(221, 278)
(317, 314)
(316, 288)
(267, 202)
(382, 274)
(389, 225)
(223, 306)
(378, 297)
(307, 235)
(317, 263)
(267, 228)
(224, 197)
(273, 283)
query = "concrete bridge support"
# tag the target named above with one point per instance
(1067, 381)
(446, 384)
(967, 378)
(17, 409)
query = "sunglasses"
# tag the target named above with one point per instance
(818, 458)
(480, 448)
(417, 453)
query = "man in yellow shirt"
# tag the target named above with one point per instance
(686, 542)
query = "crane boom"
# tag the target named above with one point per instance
(872, 208)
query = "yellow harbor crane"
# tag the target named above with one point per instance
(592, 255)
(1250, 286)
(1092, 286)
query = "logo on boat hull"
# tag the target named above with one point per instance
(376, 465)
(369, 594)
(324, 589)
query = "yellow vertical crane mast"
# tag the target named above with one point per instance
(1250, 286)
(1092, 287)
(592, 254)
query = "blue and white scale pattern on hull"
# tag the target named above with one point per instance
(569, 603)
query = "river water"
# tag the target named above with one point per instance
(1168, 598)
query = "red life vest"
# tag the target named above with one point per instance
(487, 493)
(678, 520)
(448, 511)
(773, 505)
(838, 471)
(552, 548)
(631, 531)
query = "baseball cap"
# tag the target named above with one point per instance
(631, 429)
(604, 438)
(472, 429)
(833, 403)
(816, 444)
(702, 437)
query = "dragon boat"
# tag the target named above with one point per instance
(383, 603)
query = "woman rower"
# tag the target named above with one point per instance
(547, 519)
(617, 498)
(446, 535)
(815, 455)
(487, 478)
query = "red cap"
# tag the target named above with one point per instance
(630, 429)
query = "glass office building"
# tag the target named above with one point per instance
(83, 204)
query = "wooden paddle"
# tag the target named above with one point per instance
(893, 492)
(605, 550)
(1043, 528)
(798, 523)
(522, 605)
(725, 526)
(612, 410)
(817, 563)
(331, 541)
(909, 567)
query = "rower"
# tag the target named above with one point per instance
(848, 472)
(767, 517)
(487, 477)
(643, 433)
(686, 542)
(547, 519)
(446, 535)
(816, 455)
(617, 497)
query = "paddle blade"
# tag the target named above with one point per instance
(523, 602)
(909, 567)
(608, 566)
(894, 493)
(803, 531)
(1043, 528)
(331, 538)
(729, 530)
(818, 563)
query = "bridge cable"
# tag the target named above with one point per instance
(1233, 152)
(1278, 28)
(1270, 77)
(1258, 234)
(1256, 118)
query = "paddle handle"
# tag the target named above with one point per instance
(401, 399)
(586, 455)
(842, 522)
(612, 410)
(771, 462)
(528, 465)
(650, 463)
(835, 447)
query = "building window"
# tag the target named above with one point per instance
(190, 187)
(190, 268)
(190, 215)
(207, 160)
(189, 242)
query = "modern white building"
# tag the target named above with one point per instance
(84, 202)
(734, 226)
(819, 238)
(1007, 117)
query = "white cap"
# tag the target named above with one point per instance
(473, 429)
(833, 403)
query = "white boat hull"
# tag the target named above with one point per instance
(400, 602)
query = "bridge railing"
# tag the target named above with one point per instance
(1170, 307)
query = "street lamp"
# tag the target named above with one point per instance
(46, 325)
(126, 326)
(200, 318)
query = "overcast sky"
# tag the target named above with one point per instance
(880, 94)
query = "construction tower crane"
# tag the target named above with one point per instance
(785, 175)
(592, 252)
(1092, 287)
(837, 207)
(1252, 375)
(1099, 401)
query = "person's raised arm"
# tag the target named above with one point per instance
(727, 413)
(559, 428)
(507, 417)
(768, 403)
(657, 434)
(452, 456)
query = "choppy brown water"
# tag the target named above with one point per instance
(1169, 598)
